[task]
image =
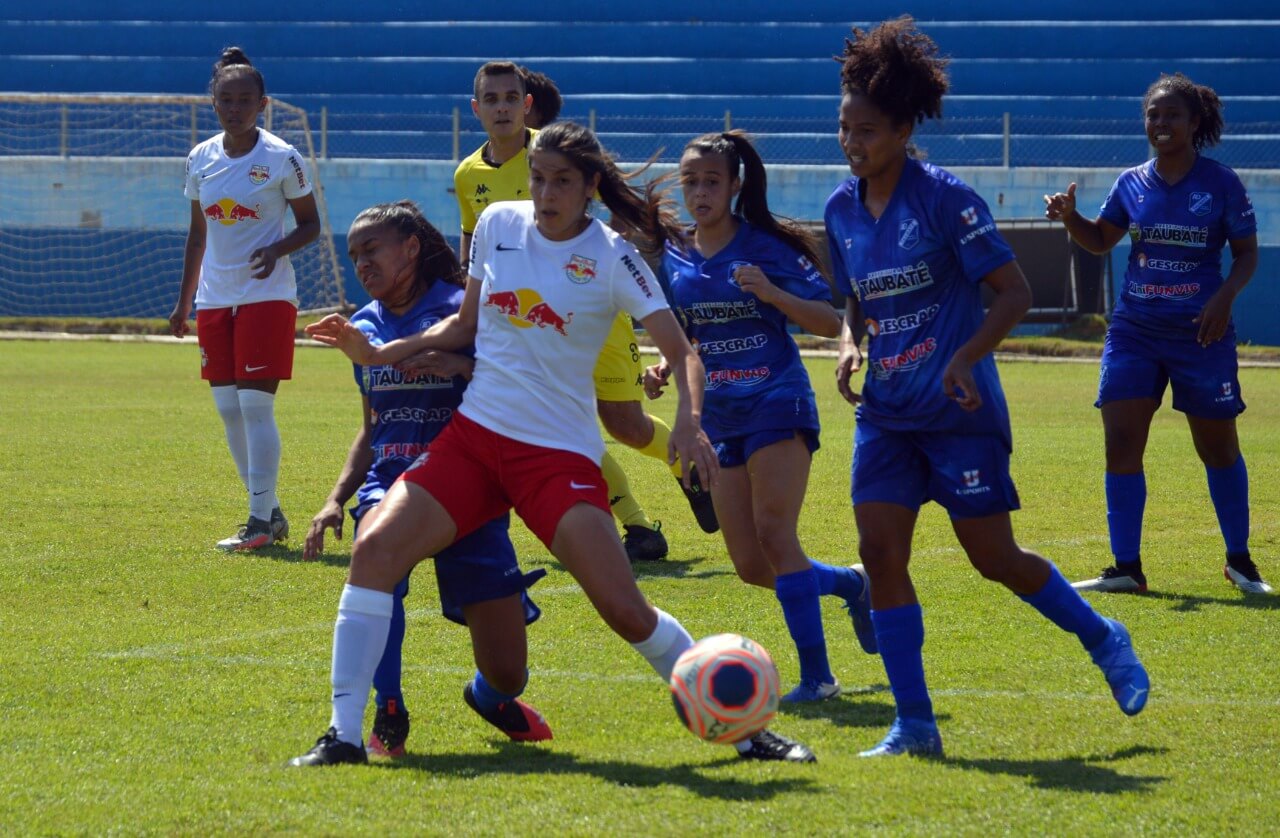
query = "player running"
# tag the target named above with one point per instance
(742, 274)
(546, 283)
(236, 271)
(911, 246)
(404, 263)
(1172, 321)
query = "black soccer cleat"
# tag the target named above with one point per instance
(390, 730)
(643, 544)
(773, 746)
(330, 750)
(700, 502)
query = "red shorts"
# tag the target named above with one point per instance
(477, 475)
(247, 343)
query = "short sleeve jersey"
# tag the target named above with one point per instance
(245, 203)
(755, 378)
(407, 411)
(916, 272)
(477, 184)
(546, 308)
(1178, 232)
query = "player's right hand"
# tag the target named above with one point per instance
(849, 362)
(1060, 204)
(328, 518)
(656, 378)
(337, 331)
(179, 326)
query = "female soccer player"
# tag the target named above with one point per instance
(546, 283)
(1172, 322)
(415, 281)
(742, 275)
(237, 272)
(911, 245)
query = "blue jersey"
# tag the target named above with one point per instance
(917, 272)
(1175, 264)
(407, 412)
(755, 378)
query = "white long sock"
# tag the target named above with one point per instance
(228, 404)
(359, 637)
(263, 438)
(668, 641)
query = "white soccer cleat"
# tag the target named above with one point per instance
(1247, 579)
(1113, 580)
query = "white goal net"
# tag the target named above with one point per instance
(93, 221)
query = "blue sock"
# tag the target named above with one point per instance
(1126, 501)
(900, 634)
(1229, 491)
(1066, 609)
(841, 581)
(487, 698)
(798, 595)
(386, 680)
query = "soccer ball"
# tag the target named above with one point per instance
(725, 688)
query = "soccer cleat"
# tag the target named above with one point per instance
(1113, 580)
(860, 612)
(279, 525)
(330, 750)
(1125, 674)
(390, 729)
(768, 745)
(644, 544)
(254, 534)
(808, 690)
(700, 502)
(1243, 573)
(909, 737)
(517, 720)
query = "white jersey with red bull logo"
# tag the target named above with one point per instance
(245, 203)
(546, 308)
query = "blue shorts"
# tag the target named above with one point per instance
(479, 567)
(1205, 379)
(736, 450)
(967, 474)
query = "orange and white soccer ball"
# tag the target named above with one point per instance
(725, 688)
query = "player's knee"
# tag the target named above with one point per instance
(371, 563)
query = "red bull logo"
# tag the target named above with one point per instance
(525, 308)
(580, 269)
(228, 212)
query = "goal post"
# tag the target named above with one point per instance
(93, 220)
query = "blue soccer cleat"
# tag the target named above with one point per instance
(1124, 672)
(909, 737)
(860, 612)
(809, 690)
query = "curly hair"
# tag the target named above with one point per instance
(898, 68)
(1202, 101)
(436, 259)
(232, 61)
(546, 96)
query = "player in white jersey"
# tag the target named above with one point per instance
(546, 283)
(236, 272)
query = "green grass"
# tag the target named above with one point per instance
(150, 684)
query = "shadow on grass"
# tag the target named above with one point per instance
(1190, 604)
(857, 707)
(1084, 774)
(512, 758)
(281, 553)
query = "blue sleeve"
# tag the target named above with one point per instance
(1238, 214)
(1113, 210)
(794, 273)
(967, 222)
(839, 271)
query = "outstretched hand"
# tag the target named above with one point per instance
(328, 518)
(337, 331)
(1060, 204)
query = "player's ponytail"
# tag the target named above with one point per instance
(1201, 100)
(436, 259)
(233, 61)
(645, 213)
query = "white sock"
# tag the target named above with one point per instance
(668, 641)
(359, 638)
(263, 438)
(228, 404)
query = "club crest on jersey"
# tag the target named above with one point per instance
(1200, 203)
(580, 269)
(259, 174)
(733, 270)
(969, 215)
(908, 234)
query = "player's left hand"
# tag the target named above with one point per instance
(752, 280)
(337, 331)
(1214, 318)
(656, 378)
(959, 385)
(691, 445)
(437, 362)
(262, 262)
(849, 362)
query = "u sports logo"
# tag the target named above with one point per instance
(525, 309)
(972, 478)
(1200, 203)
(908, 233)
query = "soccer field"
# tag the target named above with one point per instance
(150, 684)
